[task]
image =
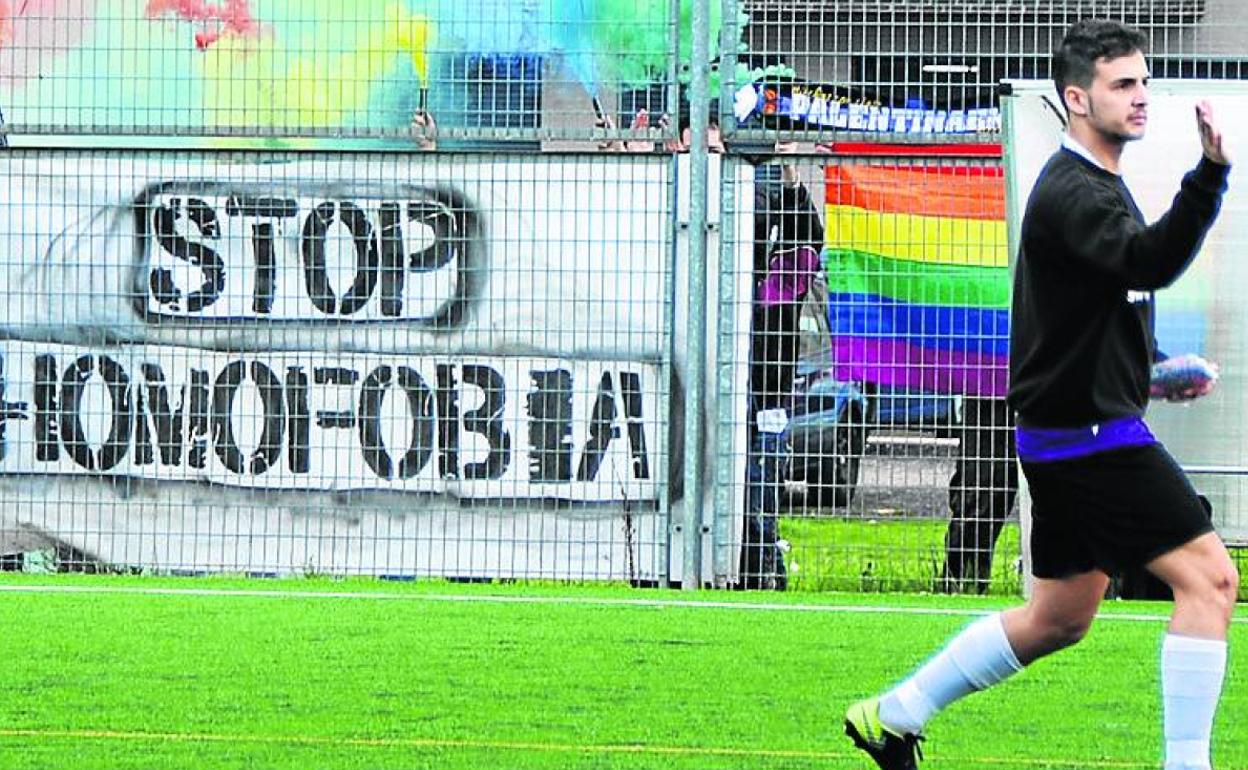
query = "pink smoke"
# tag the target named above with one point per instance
(36, 32)
(6, 22)
(233, 17)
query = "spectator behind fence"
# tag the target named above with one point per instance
(787, 241)
(981, 493)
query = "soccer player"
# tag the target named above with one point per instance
(1106, 495)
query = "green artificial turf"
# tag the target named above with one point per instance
(855, 554)
(147, 673)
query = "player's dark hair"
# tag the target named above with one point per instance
(1086, 43)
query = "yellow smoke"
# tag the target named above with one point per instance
(262, 81)
(410, 33)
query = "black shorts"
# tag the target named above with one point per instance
(1110, 511)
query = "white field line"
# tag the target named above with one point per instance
(547, 600)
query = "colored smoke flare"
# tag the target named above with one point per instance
(632, 40)
(7, 15)
(491, 28)
(575, 38)
(410, 33)
(628, 43)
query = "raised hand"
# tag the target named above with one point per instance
(1210, 134)
(788, 172)
(641, 122)
(676, 144)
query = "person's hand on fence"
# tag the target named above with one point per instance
(641, 122)
(676, 143)
(788, 171)
(607, 123)
(425, 130)
(714, 139)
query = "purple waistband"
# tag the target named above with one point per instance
(1039, 445)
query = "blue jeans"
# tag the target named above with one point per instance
(762, 561)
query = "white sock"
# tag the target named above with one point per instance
(1191, 682)
(977, 658)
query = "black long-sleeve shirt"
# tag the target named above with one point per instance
(785, 219)
(1081, 327)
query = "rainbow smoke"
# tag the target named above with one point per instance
(293, 64)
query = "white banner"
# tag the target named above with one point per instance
(505, 428)
(483, 332)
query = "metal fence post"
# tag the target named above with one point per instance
(695, 426)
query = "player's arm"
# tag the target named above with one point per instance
(1100, 232)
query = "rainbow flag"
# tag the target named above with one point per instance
(918, 277)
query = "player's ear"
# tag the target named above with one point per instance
(1076, 100)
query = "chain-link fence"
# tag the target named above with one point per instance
(404, 287)
(894, 462)
(878, 366)
(405, 364)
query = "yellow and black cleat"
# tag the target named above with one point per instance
(889, 750)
